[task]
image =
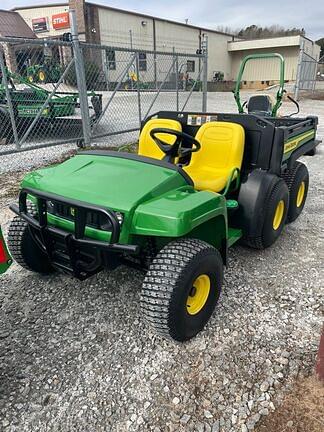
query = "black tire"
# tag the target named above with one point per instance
(24, 250)
(312, 152)
(168, 288)
(276, 199)
(297, 180)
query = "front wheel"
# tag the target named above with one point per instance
(182, 287)
(24, 249)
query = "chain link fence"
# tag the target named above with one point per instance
(306, 74)
(55, 92)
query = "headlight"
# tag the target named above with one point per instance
(50, 206)
(120, 217)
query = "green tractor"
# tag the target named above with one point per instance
(199, 184)
(28, 101)
(48, 72)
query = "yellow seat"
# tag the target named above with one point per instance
(222, 146)
(147, 146)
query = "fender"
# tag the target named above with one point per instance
(252, 197)
(177, 213)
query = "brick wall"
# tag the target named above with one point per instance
(79, 7)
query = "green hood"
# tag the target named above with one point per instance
(110, 179)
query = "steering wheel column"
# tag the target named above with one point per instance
(172, 151)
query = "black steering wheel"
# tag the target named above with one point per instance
(172, 151)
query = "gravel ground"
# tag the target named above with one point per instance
(77, 356)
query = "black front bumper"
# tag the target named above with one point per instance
(73, 253)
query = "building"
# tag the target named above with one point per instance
(264, 73)
(112, 27)
(13, 25)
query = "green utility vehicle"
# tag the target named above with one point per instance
(199, 184)
(28, 101)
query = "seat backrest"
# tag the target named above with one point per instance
(147, 145)
(261, 104)
(222, 146)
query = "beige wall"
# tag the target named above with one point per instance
(219, 58)
(115, 29)
(266, 69)
(183, 39)
(29, 14)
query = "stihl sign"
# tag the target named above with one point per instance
(61, 21)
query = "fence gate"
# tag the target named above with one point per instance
(55, 92)
(306, 74)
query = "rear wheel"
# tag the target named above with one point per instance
(297, 180)
(24, 249)
(41, 76)
(312, 152)
(182, 287)
(273, 216)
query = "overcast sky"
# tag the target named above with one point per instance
(213, 13)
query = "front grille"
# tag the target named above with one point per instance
(94, 219)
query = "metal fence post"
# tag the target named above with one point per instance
(138, 89)
(177, 80)
(81, 80)
(9, 101)
(205, 72)
(298, 73)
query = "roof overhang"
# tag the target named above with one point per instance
(254, 44)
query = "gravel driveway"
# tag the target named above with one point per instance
(77, 356)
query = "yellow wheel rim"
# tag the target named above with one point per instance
(198, 295)
(277, 219)
(41, 76)
(300, 194)
(30, 79)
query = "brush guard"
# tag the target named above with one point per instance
(72, 252)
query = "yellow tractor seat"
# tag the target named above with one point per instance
(222, 146)
(147, 145)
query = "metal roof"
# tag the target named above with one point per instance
(13, 25)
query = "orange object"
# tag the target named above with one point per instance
(61, 21)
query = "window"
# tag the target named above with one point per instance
(190, 65)
(111, 59)
(142, 61)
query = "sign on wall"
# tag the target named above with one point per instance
(40, 25)
(61, 21)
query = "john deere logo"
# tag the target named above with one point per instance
(72, 211)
